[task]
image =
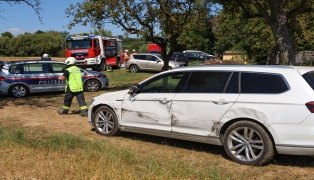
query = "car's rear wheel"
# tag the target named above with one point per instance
(134, 68)
(248, 143)
(18, 91)
(92, 85)
(106, 122)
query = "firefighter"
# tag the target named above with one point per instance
(72, 76)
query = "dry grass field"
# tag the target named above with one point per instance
(37, 143)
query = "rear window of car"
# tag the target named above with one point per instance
(58, 68)
(309, 78)
(141, 57)
(263, 83)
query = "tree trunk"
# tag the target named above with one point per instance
(285, 43)
(272, 56)
(284, 38)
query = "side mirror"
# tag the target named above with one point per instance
(134, 89)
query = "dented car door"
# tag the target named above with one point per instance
(150, 107)
(147, 110)
(206, 98)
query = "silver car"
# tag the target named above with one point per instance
(148, 62)
(20, 78)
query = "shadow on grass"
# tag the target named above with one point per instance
(189, 145)
(283, 160)
(34, 100)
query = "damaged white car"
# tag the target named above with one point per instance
(254, 112)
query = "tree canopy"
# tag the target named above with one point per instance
(280, 15)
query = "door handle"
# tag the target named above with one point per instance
(163, 101)
(220, 102)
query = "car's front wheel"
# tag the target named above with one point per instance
(134, 68)
(18, 91)
(92, 85)
(102, 65)
(248, 143)
(106, 122)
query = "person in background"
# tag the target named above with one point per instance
(72, 76)
(126, 55)
(134, 52)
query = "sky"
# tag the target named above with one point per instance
(21, 18)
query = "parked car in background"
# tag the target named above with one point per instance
(180, 58)
(254, 112)
(148, 62)
(193, 55)
(21, 78)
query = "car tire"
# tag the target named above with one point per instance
(248, 143)
(134, 68)
(102, 65)
(106, 122)
(92, 85)
(18, 91)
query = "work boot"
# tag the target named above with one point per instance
(62, 112)
(84, 112)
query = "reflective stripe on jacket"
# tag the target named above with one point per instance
(74, 80)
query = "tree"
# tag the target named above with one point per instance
(279, 15)
(35, 4)
(7, 34)
(158, 21)
(198, 33)
(237, 34)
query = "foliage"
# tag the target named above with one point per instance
(197, 33)
(250, 35)
(281, 16)
(7, 34)
(36, 44)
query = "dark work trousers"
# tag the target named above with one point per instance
(69, 97)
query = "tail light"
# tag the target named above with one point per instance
(2, 78)
(310, 106)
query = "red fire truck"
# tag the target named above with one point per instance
(96, 52)
(153, 48)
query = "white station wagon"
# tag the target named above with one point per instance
(254, 112)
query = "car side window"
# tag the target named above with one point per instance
(207, 82)
(33, 68)
(58, 68)
(167, 83)
(151, 58)
(262, 83)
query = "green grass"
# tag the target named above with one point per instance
(121, 79)
(90, 158)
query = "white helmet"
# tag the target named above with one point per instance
(70, 61)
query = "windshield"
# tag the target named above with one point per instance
(79, 44)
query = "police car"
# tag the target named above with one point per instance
(21, 78)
